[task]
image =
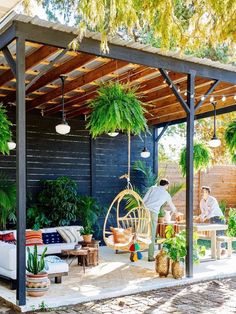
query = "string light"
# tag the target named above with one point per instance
(192, 96)
(211, 99)
(223, 98)
(178, 89)
(185, 94)
(164, 81)
(170, 85)
(234, 97)
(202, 98)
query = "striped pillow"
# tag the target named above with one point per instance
(69, 235)
(33, 237)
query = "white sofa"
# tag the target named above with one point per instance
(8, 255)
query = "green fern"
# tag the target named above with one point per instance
(230, 139)
(201, 158)
(5, 132)
(116, 107)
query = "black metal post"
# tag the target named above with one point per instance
(92, 166)
(155, 151)
(189, 174)
(20, 169)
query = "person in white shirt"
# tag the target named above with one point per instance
(155, 197)
(209, 207)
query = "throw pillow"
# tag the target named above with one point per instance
(52, 237)
(7, 237)
(33, 237)
(68, 234)
(121, 235)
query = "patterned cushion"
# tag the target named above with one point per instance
(69, 234)
(52, 237)
(121, 235)
(34, 237)
(7, 237)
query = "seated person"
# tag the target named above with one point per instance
(210, 208)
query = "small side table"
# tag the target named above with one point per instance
(93, 256)
(81, 254)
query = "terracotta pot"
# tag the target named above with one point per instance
(177, 270)
(37, 285)
(161, 220)
(162, 264)
(87, 237)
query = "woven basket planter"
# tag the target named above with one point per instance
(162, 264)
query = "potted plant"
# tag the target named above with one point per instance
(201, 158)
(37, 282)
(5, 133)
(116, 107)
(87, 233)
(231, 232)
(230, 139)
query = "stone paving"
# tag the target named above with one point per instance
(208, 297)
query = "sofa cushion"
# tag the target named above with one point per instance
(52, 237)
(33, 237)
(7, 237)
(69, 234)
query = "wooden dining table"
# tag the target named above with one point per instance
(200, 227)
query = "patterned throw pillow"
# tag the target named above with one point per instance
(69, 234)
(7, 237)
(33, 237)
(52, 237)
(121, 235)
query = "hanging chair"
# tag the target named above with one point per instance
(137, 218)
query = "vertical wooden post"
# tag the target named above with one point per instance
(20, 169)
(190, 174)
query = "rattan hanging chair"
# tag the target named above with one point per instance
(137, 218)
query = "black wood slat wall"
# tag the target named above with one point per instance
(50, 155)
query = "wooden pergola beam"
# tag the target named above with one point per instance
(30, 61)
(77, 82)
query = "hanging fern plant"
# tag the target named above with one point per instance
(116, 107)
(201, 158)
(230, 139)
(5, 131)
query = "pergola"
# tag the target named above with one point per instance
(34, 53)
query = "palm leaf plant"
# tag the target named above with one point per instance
(230, 139)
(5, 131)
(35, 263)
(116, 107)
(201, 158)
(7, 200)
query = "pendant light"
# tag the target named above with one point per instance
(11, 145)
(63, 128)
(215, 141)
(145, 152)
(113, 134)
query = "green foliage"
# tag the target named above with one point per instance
(7, 200)
(5, 132)
(175, 245)
(116, 108)
(231, 232)
(161, 212)
(35, 264)
(36, 218)
(223, 205)
(86, 230)
(201, 158)
(88, 212)
(230, 139)
(57, 201)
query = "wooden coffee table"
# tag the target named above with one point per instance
(81, 254)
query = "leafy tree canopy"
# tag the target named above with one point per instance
(181, 24)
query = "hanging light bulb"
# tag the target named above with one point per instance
(203, 98)
(63, 128)
(185, 93)
(234, 97)
(145, 152)
(11, 145)
(211, 99)
(215, 141)
(223, 98)
(113, 134)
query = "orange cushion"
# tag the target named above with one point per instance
(33, 237)
(121, 235)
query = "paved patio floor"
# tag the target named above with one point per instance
(116, 276)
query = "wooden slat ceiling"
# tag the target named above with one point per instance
(85, 72)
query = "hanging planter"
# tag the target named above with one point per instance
(5, 132)
(116, 107)
(230, 139)
(201, 158)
